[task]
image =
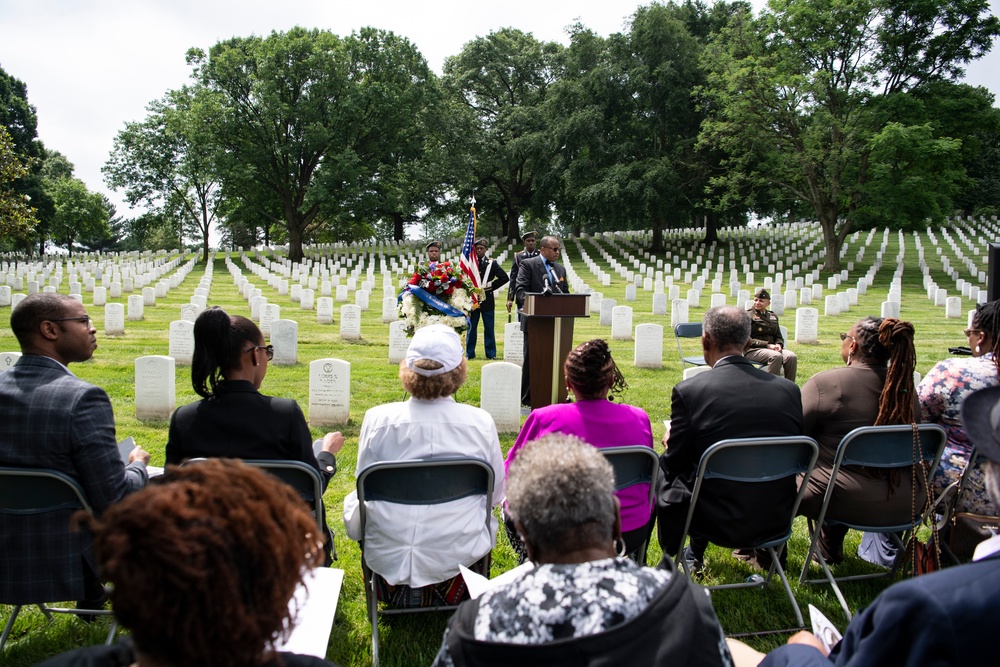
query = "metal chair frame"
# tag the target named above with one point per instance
(688, 330)
(887, 447)
(754, 460)
(635, 464)
(64, 492)
(418, 482)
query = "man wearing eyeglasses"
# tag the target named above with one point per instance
(538, 274)
(53, 419)
(766, 344)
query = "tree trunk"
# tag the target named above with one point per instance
(398, 230)
(832, 241)
(657, 244)
(295, 243)
(711, 229)
(510, 221)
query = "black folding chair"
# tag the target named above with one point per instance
(635, 464)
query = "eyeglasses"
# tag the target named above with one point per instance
(845, 336)
(269, 349)
(969, 332)
(556, 249)
(83, 320)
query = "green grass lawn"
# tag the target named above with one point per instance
(414, 640)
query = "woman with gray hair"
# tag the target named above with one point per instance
(416, 549)
(580, 605)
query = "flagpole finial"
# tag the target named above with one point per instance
(473, 200)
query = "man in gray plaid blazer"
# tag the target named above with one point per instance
(52, 419)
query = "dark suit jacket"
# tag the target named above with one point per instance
(492, 282)
(733, 400)
(240, 422)
(944, 618)
(531, 277)
(53, 419)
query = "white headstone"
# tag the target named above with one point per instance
(100, 296)
(148, 296)
(621, 323)
(649, 346)
(16, 299)
(953, 307)
(630, 293)
(500, 394)
(694, 298)
(695, 370)
(135, 307)
(806, 325)
(181, 346)
(607, 305)
(350, 322)
(805, 296)
(342, 293)
(890, 309)
(189, 312)
(4, 295)
(8, 359)
(398, 342)
(329, 391)
(361, 299)
(285, 339)
(940, 297)
(659, 303)
(678, 312)
(717, 300)
(513, 343)
(114, 319)
(324, 310)
(269, 313)
(778, 304)
(306, 299)
(389, 310)
(155, 395)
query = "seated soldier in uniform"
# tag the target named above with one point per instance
(766, 344)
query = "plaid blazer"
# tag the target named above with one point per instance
(53, 419)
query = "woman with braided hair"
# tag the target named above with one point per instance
(875, 387)
(593, 378)
(942, 393)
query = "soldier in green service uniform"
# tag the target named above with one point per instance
(766, 344)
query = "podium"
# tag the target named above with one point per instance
(549, 331)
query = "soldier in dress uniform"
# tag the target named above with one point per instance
(434, 251)
(491, 277)
(766, 344)
(528, 252)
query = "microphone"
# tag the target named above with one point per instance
(546, 285)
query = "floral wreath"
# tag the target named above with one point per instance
(437, 293)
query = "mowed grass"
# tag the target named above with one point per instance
(414, 640)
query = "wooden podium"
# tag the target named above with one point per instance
(550, 337)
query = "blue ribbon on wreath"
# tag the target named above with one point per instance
(433, 302)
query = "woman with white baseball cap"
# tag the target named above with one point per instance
(416, 549)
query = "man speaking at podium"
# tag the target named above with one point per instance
(538, 274)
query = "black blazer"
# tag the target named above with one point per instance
(734, 400)
(240, 422)
(531, 277)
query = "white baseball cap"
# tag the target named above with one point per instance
(436, 342)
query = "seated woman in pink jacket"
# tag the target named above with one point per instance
(591, 374)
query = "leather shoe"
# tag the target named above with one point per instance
(694, 564)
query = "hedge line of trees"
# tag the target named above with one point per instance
(849, 112)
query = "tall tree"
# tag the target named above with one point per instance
(799, 95)
(286, 118)
(79, 213)
(17, 218)
(499, 141)
(166, 161)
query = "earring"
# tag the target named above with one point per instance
(850, 358)
(619, 546)
(977, 349)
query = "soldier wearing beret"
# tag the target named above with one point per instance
(528, 252)
(434, 251)
(766, 344)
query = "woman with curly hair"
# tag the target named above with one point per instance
(594, 379)
(204, 562)
(875, 387)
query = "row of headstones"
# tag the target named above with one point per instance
(329, 390)
(112, 280)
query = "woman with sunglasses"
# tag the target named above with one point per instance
(942, 393)
(234, 419)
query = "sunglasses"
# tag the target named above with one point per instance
(969, 332)
(268, 349)
(845, 336)
(83, 320)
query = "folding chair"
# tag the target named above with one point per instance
(633, 465)
(418, 482)
(755, 460)
(28, 492)
(688, 330)
(874, 447)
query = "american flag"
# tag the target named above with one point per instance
(469, 261)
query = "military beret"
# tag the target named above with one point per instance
(763, 294)
(433, 244)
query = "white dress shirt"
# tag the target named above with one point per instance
(419, 545)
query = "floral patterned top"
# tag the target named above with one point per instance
(941, 394)
(554, 602)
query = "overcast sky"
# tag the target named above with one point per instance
(92, 65)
